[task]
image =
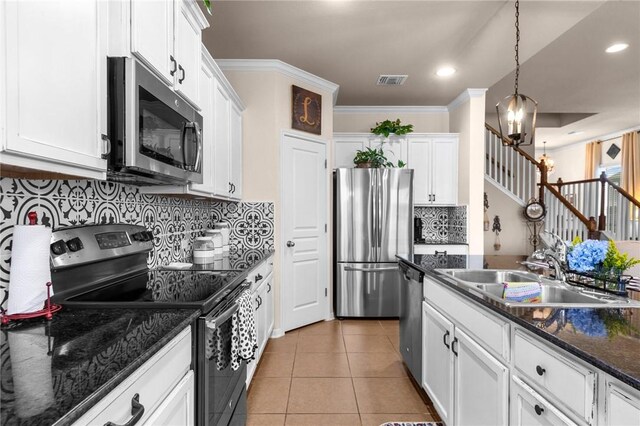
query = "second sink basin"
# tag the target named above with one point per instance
(489, 283)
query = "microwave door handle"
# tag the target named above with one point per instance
(183, 136)
(196, 128)
(198, 141)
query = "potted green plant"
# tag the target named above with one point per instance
(388, 127)
(374, 158)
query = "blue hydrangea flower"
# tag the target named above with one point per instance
(585, 256)
(587, 322)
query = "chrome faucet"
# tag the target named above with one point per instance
(554, 255)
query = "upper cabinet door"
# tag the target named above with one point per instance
(445, 170)
(420, 159)
(207, 85)
(221, 107)
(152, 36)
(394, 147)
(187, 53)
(236, 152)
(55, 74)
(345, 148)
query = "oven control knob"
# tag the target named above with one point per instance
(137, 236)
(148, 235)
(74, 244)
(58, 248)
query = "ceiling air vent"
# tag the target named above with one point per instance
(391, 80)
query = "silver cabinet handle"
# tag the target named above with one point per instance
(290, 244)
(350, 269)
(106, 142)
(175, 65)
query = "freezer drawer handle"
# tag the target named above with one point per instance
(350, 269)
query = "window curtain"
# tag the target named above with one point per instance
(593, 159)
(630, 179)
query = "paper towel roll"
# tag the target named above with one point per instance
(30, 271)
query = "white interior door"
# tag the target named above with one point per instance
(304, 238)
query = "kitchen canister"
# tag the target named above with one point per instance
(203, 250)
(226, 232)
(30, 268)
(216, 236)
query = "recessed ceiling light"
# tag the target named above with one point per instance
(618, 47)
(445, 71)
(575, 132)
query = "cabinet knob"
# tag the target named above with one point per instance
(540, 370)
(539, 410)
(290, 244)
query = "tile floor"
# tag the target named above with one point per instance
(336, 373)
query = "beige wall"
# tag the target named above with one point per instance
(267, 97)
(514, 237)
(467, 119)
(427, 122)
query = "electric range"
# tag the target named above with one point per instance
(105, 266)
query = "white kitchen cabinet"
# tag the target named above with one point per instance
(437, 363)
(221, 124)
(394, 147)
(528, 408)
(262, 300)
(53, 70)
(622, 405)
(164, 383)
(166, 35)
(269, 309)
(345, 146)
(235, 163)
(177, 408)
(481, 384)
(434, 159)
(152, 24)
(467, 385)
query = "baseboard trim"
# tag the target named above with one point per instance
(276, 333)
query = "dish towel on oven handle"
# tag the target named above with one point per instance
(244, 341)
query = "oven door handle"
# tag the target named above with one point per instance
(223, 317)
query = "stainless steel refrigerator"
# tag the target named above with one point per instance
(373, 215)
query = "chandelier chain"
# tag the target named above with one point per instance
(517, 45)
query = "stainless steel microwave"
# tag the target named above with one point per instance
(154, 135)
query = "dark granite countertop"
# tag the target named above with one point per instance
(608, 339)
(54, 371)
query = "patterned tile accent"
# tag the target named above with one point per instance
(175, 222)
(443, 224)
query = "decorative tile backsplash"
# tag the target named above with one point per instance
(175, 222)
(443, 224)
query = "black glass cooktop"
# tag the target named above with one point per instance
(157, 288)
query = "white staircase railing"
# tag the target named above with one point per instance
(508, 169)
(562, 221)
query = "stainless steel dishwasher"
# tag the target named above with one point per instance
(411, 294)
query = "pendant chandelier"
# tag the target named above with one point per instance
(517, 112)
(548, 161)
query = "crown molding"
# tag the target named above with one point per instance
(197, 13)
(283, 68)
(208, 60)
(465, 96)
(349, 109)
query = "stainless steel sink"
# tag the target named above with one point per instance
(489, 283)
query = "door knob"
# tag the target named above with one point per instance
(290, 244)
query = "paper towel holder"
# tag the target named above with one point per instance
(47, 312)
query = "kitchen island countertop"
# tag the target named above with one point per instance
(608, 339)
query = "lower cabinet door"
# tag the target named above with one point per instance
(623, 406)
(528, 408)
(269, 312)
(178, 407)
(481, 384)
(437, 361)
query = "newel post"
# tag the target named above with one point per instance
(543, 180)
(602, 219)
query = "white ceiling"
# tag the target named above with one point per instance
(564, 66)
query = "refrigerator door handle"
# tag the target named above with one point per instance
(352, 269)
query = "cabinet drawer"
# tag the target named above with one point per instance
(153, 381)
(491, 332)
(446, 249)
(529, 408)
(564, 380)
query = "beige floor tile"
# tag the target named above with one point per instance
(323, 419)
(376, 364)
(321, 364)
(321, 396)
(395, 341)
(365, 328)
(384, 395)
(286, 343)
(391, 330)
(364, 343)
(323, 327)
(320, 343)
(275, 364)
(389, 321)
(268, 395)
(265, 420)
(378, 419)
